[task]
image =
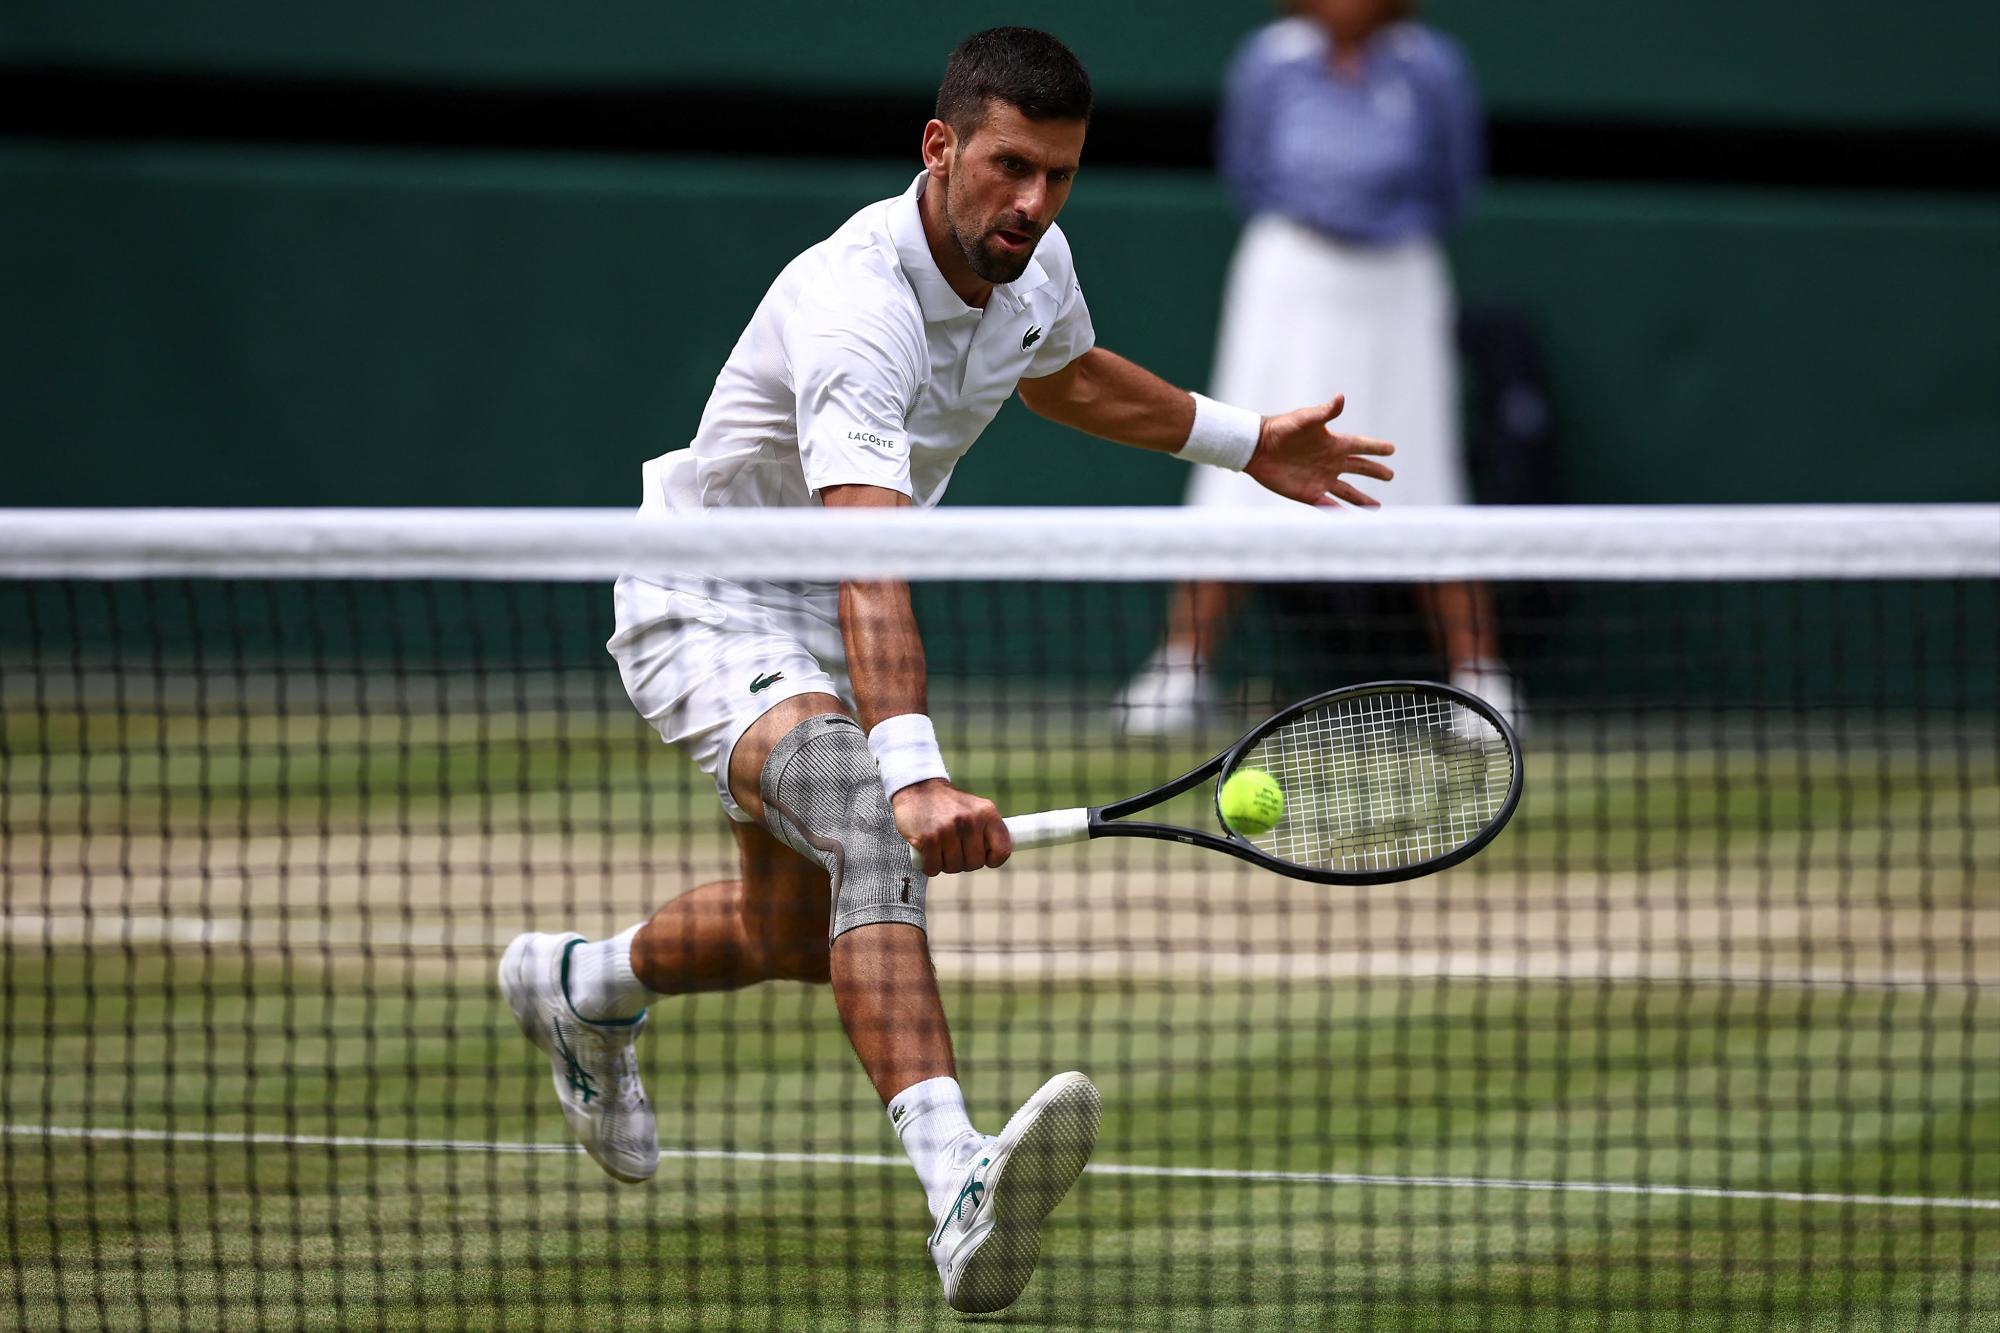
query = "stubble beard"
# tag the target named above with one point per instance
(986, 265)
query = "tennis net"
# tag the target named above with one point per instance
(1708, 1038)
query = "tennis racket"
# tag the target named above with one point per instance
(1382, 782)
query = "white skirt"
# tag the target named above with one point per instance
(1305, 317)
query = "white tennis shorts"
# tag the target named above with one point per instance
(1305, 317)
(703, 659)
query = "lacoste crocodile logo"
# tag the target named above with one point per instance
(763, 681)
(1031, 337)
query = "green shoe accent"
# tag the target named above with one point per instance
(974, 1190)
(579, 1079)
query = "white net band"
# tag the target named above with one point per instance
(1124, 544)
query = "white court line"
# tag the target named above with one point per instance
(1095, 1168)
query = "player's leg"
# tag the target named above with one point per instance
(1460, 619)
(701, 671)
(1461, 623)
(825, 891)
(583, 1002)
(814, 784)
(1174, 690)
(774, 922)
(1198, 619)
(767, 924)
(592, 1060)
(805, 773)
(770, 923)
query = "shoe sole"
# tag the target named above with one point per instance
(516, 988)
(1048, 1154)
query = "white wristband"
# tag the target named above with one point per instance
(1223, 436)
(906, 750)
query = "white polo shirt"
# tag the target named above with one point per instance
(862, 365)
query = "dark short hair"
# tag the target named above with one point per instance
(1023, 67)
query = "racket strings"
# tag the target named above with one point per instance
(1382, 780)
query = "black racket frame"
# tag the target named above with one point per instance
(1109, 820)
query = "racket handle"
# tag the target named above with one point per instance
(1043, 829)
(1049, 827)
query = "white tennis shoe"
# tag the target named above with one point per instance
(986, 1244)
(595, 1068)
(1170, 695)
(1494, 683)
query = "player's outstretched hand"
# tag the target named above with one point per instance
(1299, 458)
(954, 830)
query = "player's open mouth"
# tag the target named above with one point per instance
(1015, 241)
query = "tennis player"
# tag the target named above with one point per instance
(869, 368)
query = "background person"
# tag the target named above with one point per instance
(1351, 138)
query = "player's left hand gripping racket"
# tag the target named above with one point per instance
(1382, 782)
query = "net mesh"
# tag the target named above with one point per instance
(1709, 1038)
(1381, 781)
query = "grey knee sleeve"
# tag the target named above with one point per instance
(823, 799)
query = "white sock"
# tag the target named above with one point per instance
(602, 986)
(1480, 668)
(1493, 682)
(930, 1121)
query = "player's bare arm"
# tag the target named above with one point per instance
(954, 830)
(1103, 394)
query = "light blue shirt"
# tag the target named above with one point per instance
(1393, 154)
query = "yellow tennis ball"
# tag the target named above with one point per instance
(1252, 802)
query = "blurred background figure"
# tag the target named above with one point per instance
(1351, 137)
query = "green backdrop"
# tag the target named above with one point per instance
(228, 326)
(1829, 61)
(216, 325)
